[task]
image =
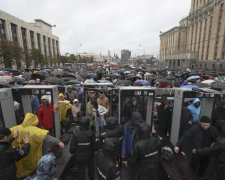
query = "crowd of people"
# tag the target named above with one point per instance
(99, 142)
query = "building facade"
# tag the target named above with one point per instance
(29, 35)
(199, 40)
(125, 55)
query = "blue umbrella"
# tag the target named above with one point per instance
(193, 77)
(142, 82)
(189, 86)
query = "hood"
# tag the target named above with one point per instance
(47, 165)
(111, 122)
(61, 95)
(196, 100)
(136, 117)
(111, 148)
(133, 99)
(220, 105)
(143, 131)
(30, 120)
(84, 123)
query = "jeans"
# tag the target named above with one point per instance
(99, 123)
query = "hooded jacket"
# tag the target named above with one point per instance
(64, 106)
(195, 111)
(219, 113)
(131, 108)
(107, 166)
(113, 129)
(129, 134)
(45, 116)
(146, 150)
(82, 144)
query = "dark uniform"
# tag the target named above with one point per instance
(8, 156)
(82, 146)
(200, 138)
(219, 151)
(107, 164)
(146, 154)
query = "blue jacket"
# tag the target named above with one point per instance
(129, 134)
(195, 111)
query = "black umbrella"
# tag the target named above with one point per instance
(57, 73)
(201, 85)
(218, 85)
(68, 79)
(109, 75)
(26, 76)
(170, 78)
(54, 81)
(123, 83)
(43, 73)
(19, 80)
(3, 85)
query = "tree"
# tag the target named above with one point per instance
(10, 53)
(27, 58)
(55, 61)
(36, 55)
(71, 58)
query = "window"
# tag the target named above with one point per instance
(44, 41)
(49, 47)
(39, 41)
(53, 45)
(57, 47)
(32, 39)
(24, 38)
(2, 30)
(14, 33)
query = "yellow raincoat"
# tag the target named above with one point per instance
(63, 107)
(27, 165)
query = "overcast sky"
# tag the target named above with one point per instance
(95, 26)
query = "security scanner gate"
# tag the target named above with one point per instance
(207, 98)
(7, 111)
(144, 97)
(26, 93)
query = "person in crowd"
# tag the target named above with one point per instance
(82, 146)
(99, 112)
(195, 109)
(114, 103)
(103, 100)
(90, 109)
(40, 142)
(45, 114)
(219, 112)
(202, 135)
(9, 154)
(165, 116)
(75, 109)
(107, 164)
(64, 106)
(79, 92)
(132, 107)
(130, 137)
(34, 103)
(186, 118)
(71, 94)
(146, 154)
(46, 168)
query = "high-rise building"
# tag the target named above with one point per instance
(125, 55)
(29, 35)
(199, 40)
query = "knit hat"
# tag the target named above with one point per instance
(45, 97)
(205, 119)
(5, 131)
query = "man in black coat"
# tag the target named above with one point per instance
(146, 154)
(219, 113)
(82, 146)
(202, 135)
(107, 164)
(9, 155)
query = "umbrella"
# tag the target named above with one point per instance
(201, 85)
(142, 83)
(193, 77)
(218, 85)
(43, 73)
(161, 80)
(127, 72)
(72, 82)
(4, 85)
(109, 75)
(54, 81)
(18, 80)
(89, 81)
(68, 79)
(123, 83)
(170, 78)
(57, 73)
(208, 81)
(189, 86)
(6, 79)
(103, 81)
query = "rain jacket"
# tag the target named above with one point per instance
(195, 111)
(34, 103)
(64, 106)
(27, 165)
(219, 113)
(46, 168)
(45, 116)
(129, 134)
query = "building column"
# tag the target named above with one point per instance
(8, 31)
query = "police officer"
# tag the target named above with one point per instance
(8, 154)
(146, 154)
(107, 165)
(82, 146)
